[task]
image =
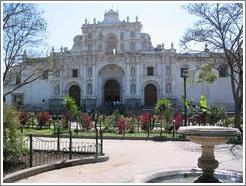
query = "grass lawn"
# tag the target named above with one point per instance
(44, 131)
(112, 135)
(65, 133)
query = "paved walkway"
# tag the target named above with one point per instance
(128, 158)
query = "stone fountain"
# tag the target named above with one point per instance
(208, 137)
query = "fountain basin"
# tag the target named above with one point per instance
(208, 137)
(209, 131)
(187, 176)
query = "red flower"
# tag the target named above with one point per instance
(144, 119)
(23, 117)
(87, 121)
(178, 120)
(122, 124)
(44, 118)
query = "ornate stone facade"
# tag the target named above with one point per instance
(113, 62)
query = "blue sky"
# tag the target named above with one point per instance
(165, 21)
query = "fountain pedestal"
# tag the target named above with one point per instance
(208, 137)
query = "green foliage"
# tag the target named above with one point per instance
(116, 114)
(132, 122)
(109, 123)
(206, 74)
(56, 124)
(13, 140)
(217, 115)
(32, 120)
(163, 105)
(70, 106)
(203, 103)
(212, 115)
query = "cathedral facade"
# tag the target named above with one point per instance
(112, 62)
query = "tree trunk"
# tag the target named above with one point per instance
(237, 117)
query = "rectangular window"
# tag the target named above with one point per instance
(150, 71)
(75, 73)
(17, 99)
(45, 74)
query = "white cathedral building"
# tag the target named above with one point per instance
(113, 62)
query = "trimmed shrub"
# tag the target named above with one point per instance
(13, 140)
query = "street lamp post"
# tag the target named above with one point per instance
(184, 74)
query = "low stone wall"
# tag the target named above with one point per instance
(51, 166)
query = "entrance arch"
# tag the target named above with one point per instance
(150, 95)
(111, 91)
(74, 92)
(111, 83)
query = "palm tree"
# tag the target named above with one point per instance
(164, 107)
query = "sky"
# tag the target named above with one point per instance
(165, 22)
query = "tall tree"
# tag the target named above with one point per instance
(23, 28)
(221, 27)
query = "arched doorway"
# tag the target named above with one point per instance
(111, 92)
(74, 92)
(150, 95)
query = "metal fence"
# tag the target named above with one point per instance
(43, 150)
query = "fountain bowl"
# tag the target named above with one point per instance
(186, 176)
(209, 131)
(208, 137)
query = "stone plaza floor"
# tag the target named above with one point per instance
(128, 158)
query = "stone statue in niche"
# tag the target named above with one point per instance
(89, 89)
(89, 71)
(133, 88)
(57, 89)
(133, 71)
(111, 44)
